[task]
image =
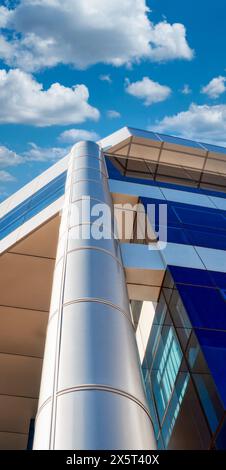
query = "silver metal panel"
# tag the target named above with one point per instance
(85, 149)
(101, 420)
(48, 366)
(87, 173)
(55, 298)
(87, 162)
(95, 274)
(42, 428)
(88, 211)
(91, 188)
(107, 335)
(75, 241)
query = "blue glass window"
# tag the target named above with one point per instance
(175, 405)
(204, 382)
(180, 319)
(32, 205)
(160, 317)
(209, 398)
(151, 403)
(199, 277)
(213, 345)
(165, 368)
(205, 306)
(184, 426)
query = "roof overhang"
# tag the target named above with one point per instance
(168, 158)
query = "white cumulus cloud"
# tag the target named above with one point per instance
(4, 16)
(36, 153)
(86, 32)
(215, 87)
(113, 114)
(186, 90)
(6, 177)
(8, 157)
(23, 100)
(105, 78)
(201, 123)
(148, 91)
(75, 135)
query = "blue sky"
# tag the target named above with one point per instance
(162, 68)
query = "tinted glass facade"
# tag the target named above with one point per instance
(32, 205)
(184, 364)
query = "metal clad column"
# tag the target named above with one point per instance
(92, 395)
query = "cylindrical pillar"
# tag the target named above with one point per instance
(92, 394)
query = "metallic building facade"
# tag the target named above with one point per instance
(116, 342)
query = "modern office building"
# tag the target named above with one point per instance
(116, 342)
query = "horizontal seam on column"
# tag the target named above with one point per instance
(47, 400)
(94, 248)
(51, 315)
(104, 388)
(88, 155)
(90, 168)
(73, 166)
(91, 223)
(99, 301)
(88, 179)
(88, 247)
(80, 198)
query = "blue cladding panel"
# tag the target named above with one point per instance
(198, 277)
(32, 205)
(190, 225)
(208, 239)
(145, 134)
(205, 306)
(219, 279)
(177, 235)
(191, 215)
